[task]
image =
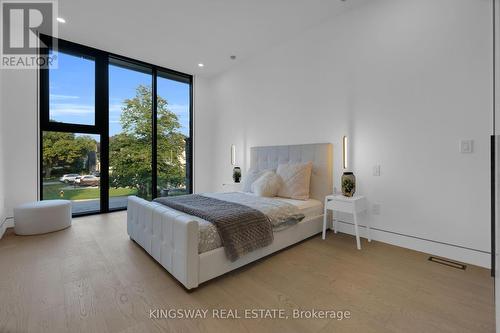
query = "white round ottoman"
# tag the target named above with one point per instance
(42, 216)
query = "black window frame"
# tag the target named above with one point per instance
(101, 122)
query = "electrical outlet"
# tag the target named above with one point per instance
(466, 146)
(376, 170)
(376, 209)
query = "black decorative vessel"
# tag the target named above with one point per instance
(237, 174)
(348, 184)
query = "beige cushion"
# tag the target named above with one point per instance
(296, 180)
(267, 185)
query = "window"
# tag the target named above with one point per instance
(111, 127)
(173, 134)
(70, 167)
(130, 132)
(72, 94)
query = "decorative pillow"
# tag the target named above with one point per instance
(251, 176)
(267, 185)
(296, 180)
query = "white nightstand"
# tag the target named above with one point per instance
(232, 187)
(353, 205)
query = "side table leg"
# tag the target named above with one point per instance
(368, 230)
(335, 223)
(358, 242)
(325, 214)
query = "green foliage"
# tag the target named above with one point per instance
(347, 185)
(60, 149)
(131, 152)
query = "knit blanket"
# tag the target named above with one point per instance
(242, 229)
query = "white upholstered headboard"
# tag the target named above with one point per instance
(321, 154)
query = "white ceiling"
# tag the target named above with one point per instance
(179, 34)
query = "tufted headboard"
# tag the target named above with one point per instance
(321, 154)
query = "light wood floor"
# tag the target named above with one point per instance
(92, 278)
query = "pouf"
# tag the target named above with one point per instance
(42, 216)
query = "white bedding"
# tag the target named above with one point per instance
(275, 208)
(310, 208)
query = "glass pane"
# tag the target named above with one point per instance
(71, 169)
(173, 119)
(72, 90)
(130, 137)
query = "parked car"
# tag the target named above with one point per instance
(69, 178)
(88, 180)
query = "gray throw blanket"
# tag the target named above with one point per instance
(242, 229)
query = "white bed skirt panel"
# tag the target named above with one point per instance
(171, 238)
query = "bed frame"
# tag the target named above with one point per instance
(171, 237)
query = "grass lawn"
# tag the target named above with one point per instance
(81, 193)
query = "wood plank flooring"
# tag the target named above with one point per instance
(92, 278)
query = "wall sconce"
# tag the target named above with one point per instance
(233, 154)
(344, 152)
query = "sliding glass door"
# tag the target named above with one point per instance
(111, 127)
(70, 169)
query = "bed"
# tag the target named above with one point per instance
(173, 238)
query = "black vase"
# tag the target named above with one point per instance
(348, 184)
(237, 174)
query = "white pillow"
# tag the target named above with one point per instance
(267, 185)
(251, 176)
(296, 180)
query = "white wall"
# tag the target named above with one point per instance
(20, 135)
(2, 176)
(203, 135)
(405, 80)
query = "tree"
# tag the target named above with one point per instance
(64, 148)
(130, 157)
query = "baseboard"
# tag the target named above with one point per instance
(5, 223)
(458, 253)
